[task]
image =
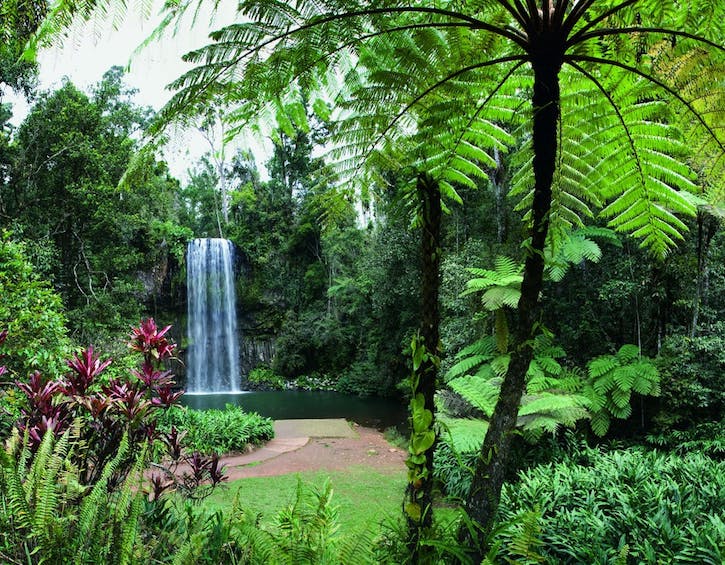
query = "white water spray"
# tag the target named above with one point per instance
(213, 351)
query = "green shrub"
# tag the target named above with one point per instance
(11, 403)
(693, 378)
(707, 438)
(219, 431)
(32, 313)
(362, 378)
(264, 378)
(651, 507)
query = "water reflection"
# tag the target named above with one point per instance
(374, 412)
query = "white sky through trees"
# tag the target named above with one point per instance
(90, 50)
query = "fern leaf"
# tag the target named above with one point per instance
(96, 499)
(602, 365)
(628, 353)
(600, 423)
(480, 393)
(46, 497)
(15, 494)
(465, 365)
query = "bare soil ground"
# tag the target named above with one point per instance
(329, 446)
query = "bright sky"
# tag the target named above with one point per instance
(87, 54)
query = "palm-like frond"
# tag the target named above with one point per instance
(553, 396)
(617, 149)
(574, 247)
(435, 88)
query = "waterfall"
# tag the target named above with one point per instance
(213, 350)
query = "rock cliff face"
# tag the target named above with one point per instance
(256, 351)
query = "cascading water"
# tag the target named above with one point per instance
(213, 352)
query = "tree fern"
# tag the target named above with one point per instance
(553, 399)
(500, 287)
(604, 48)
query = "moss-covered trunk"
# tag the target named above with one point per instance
(418, 496)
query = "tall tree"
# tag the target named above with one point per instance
(98, 244)
(598, 75)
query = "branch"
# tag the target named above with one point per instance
(534, 16)
(560, 12)
(576, 15)
(517, 11)
(580, 37)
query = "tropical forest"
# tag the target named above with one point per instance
(443, 283)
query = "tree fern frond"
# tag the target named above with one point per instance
(480, 393)
(548, 403)
(465, 434)
(628, 353)
(466, 364)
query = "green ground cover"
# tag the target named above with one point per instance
(363, 497)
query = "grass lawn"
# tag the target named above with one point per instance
(363, 497)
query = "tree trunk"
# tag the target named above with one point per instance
(707, 227)
(489, 474)
(419, 493)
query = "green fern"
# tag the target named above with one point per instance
(574, 247)
(501, 287)
(553, 396)
(613, 379)
(95, 502)
(43, 484)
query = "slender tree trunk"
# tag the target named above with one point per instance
(419, 493)
(706, 229)
(489, 474)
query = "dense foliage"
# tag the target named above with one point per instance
(218, 431)
(105, 249)
(569, 120)
(32, 314)
(625, 505)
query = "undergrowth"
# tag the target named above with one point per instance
(219, 431)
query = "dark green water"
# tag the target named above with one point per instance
(375, 412)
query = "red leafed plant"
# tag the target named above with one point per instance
(122, 406)
(147, 339)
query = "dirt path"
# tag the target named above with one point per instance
(311, 445)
